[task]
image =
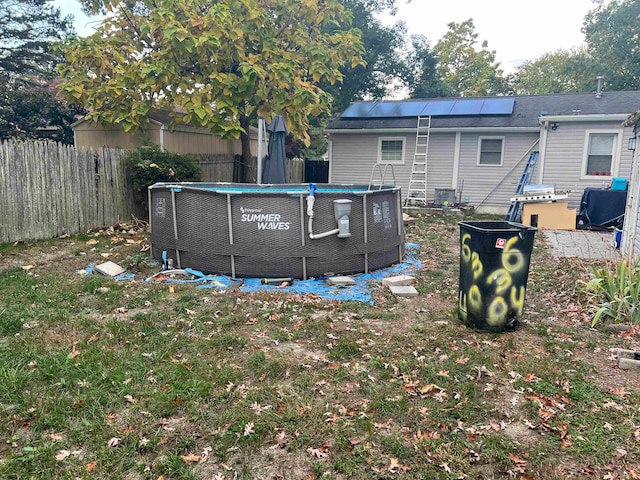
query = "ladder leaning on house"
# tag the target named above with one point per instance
(514, 209)
(417, 192)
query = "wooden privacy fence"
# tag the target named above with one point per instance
(225, 168)
(49, 189)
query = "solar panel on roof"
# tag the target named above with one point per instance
(397, 109)
(498, 106)
(442, 107)
(358, 110)
(438, 108)
(467, 107)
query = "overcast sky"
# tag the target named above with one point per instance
(516, 30)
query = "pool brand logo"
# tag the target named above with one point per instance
(501, 243)
(250, 210)
(265, 221)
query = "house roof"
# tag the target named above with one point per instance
(526, 112)
(163, 117)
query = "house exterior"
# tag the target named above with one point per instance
(479, 146)
(630, 244)
(183, 139)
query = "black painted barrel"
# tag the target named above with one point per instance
(494, 268)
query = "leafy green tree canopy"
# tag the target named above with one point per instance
(29, 104)
(464, 70)
(27, 30)
(421, 70)
(612, 33)
(219, 63)
(561, 71)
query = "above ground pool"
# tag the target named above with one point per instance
(298, 231)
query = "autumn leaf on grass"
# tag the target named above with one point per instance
(531, 378)
(258, 409)
(248, 429)
(517, 460)
(113, 442)
(321, 452)
(563, 429)
(430, 388)
(62, 455)
(462, 360)
(190, 458)
(618, 391)
(56, 437)
(317, 452)
(90, 466)
(74, 351)
(566, 443)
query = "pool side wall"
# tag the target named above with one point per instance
(217, 229)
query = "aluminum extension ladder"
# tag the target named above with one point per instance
(514, 209)
(417, 192)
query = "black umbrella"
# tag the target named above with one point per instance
(274, 169)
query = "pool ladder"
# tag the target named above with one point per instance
(383, 173)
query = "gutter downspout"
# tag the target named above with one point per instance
(543, 150)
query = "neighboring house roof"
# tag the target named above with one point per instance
(163, 117)
(526, 112)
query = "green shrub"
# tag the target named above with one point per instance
(148, 165)
(616, 292)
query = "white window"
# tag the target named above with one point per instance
(391, 150)
(600, 154)
(490, 150)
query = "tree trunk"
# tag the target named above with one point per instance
(247, 174)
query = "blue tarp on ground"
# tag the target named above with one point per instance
(360, 292)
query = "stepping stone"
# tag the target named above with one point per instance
(400, 280)
(628, 363)
(110, 269)
(403, 291)
(340, 281)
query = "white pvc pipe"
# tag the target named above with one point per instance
(310, 201)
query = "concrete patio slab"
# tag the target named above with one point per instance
(582, 244)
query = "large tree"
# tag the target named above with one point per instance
(465, 70)
(27, 30)
(612, 33)
(381, 73)
(216, 64)
(383, 45)
(28, 95)
(420, 74)
(556, 72)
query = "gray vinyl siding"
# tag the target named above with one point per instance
(353, 157)
(636, 236)
(565, 152)
(490, 185)
(631, 227)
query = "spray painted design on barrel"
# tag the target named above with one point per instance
(494, 268)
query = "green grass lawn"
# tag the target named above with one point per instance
(102, 379)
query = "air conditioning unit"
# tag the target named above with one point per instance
(444, 195)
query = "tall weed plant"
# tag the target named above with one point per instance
(615, 290)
